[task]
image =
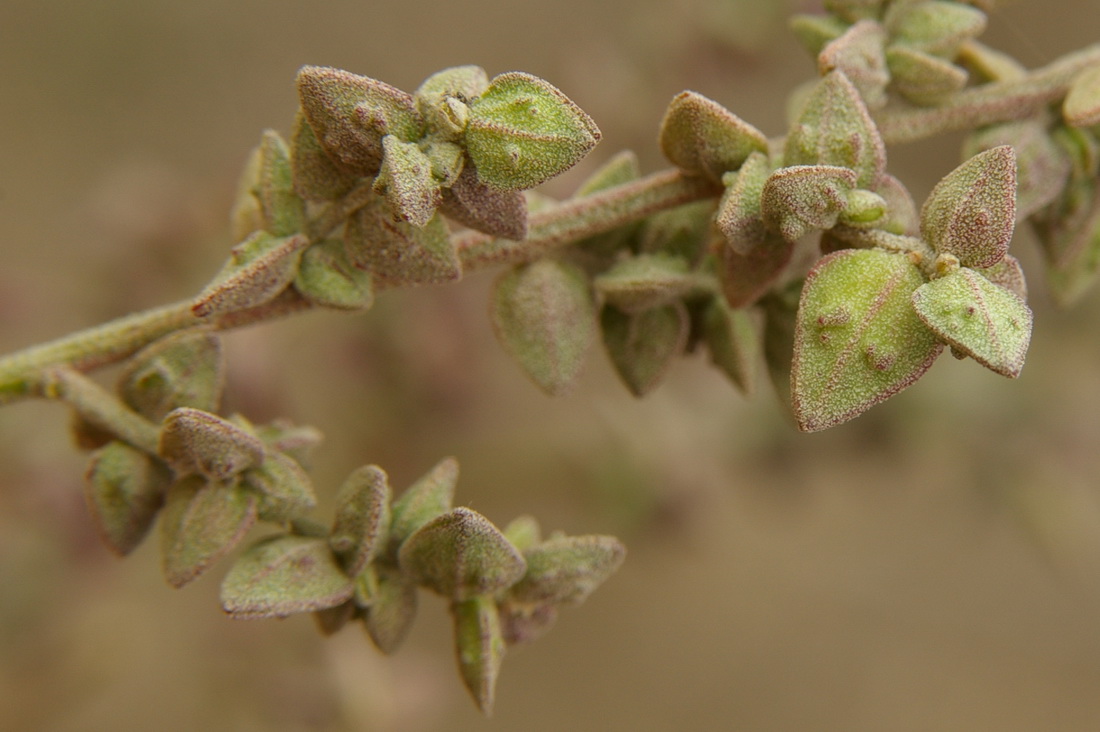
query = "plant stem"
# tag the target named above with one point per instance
(578, 218)
(100, 407)
(1000, 101)
(21, 373)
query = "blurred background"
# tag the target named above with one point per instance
(934, 564)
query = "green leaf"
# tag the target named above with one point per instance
(565, 570)
(461, 555)
(643, 346)
(350, 114)
(544, 316)
(739, 216)
(282, 575)
(983, 320)
(327, 278)
(285, 490)
(397, 253)
(184, 369)
(392, 610)
(935, 26)
(922, 78)
(429, 497)
(523, 131)
(645, 281)
(858, 52)
(202, 521)
(258, 269)
(1042, 166)
(857, 339)
(407, 182)
(282, 209)
(480, 647)
(1081, 107)
(193, 440)
(700, 136)
(733, 342)
(971, 212)
(316, 176)
(360, 529)
(834, 128)
(125, 489)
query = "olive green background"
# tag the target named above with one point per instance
(933, 565)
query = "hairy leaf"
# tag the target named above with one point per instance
(328, 278)
(201, 523)
(523, 131)
(192, 440)
(429, 497)
(700, 136)
(977, 317)
(360, 529)
(739, 217)
(397, 253)
(642, 346)
(461, 555)
(282, 575)
(125, 489)
(258, 269)
(544, 316)
(857, 339)
(185, 369)
(971, 212)
(479, 647)
(645, 281)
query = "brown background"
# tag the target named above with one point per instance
(932, 565)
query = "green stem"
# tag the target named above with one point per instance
(579, 218)
(21, 373)
(1000, 101)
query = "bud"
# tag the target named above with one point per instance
(184, 369)
(258, 269)
(801, 198)
(350, 115)
(406, 181)
(978, 318)
(360, 529)
(857, 339)
(201, 523)
(326, 277)
(444, 97)
(479, 646)
(642, 346)
(971, 212)
(544, 316)
(834, 128)
(461, 555)
(645, 281)
(125, 489)
(396, 253)
(701, 137)
(429, 497)
(523, 131)
(192, 440)
(282, 575)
